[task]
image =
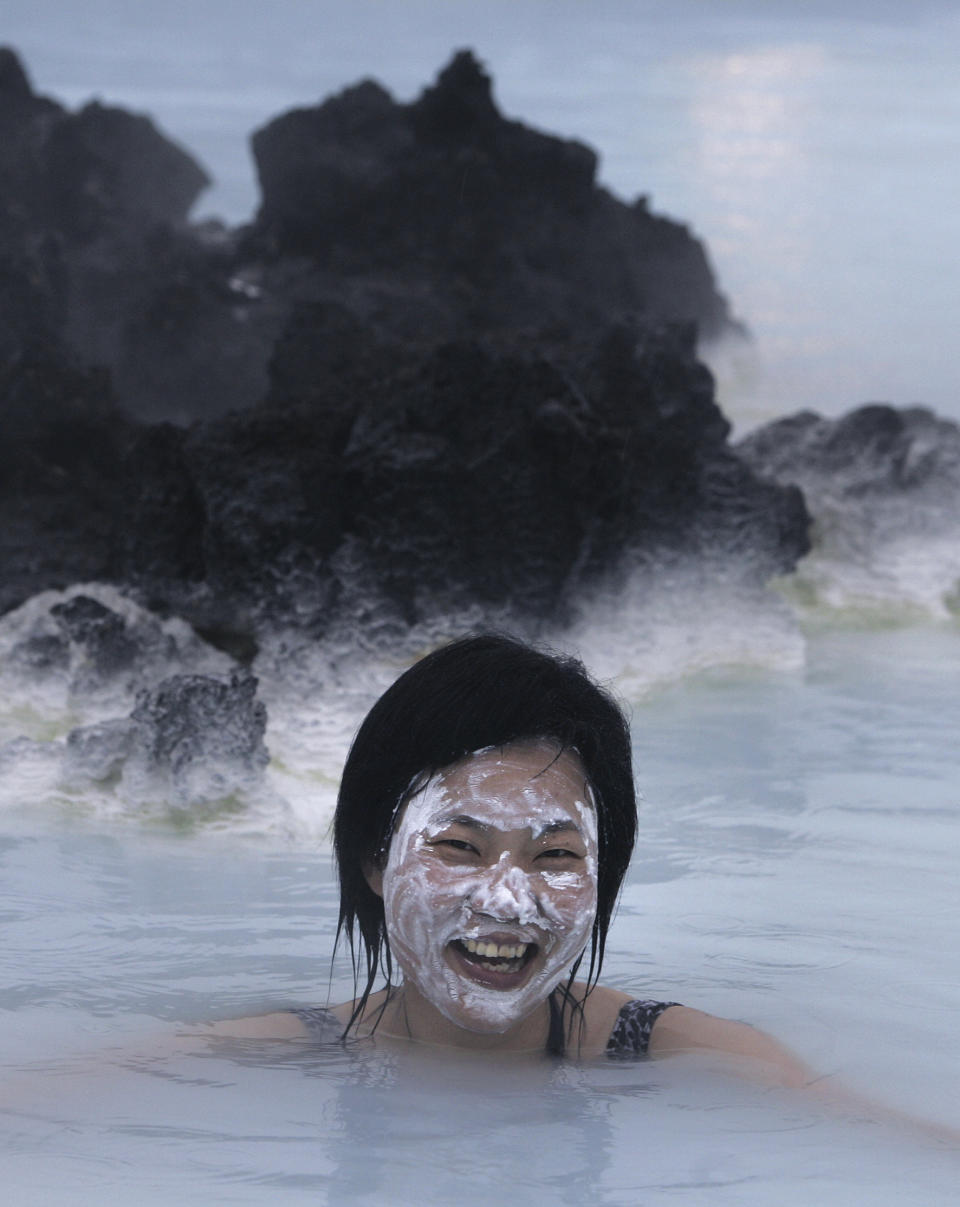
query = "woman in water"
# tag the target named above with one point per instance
(485, 821)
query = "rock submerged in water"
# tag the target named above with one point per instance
(449, 359)
(172, 722)
(883, 487)
(190, 741)
(92, 648)
(874, 450)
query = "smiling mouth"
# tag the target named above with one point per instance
(504, 961)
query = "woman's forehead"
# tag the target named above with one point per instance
(524, 786)
(532, 768)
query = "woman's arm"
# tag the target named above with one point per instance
(760, 1057)
(681, 1029)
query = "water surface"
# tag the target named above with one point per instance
(797, 868)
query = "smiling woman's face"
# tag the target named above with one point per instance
(490, 887)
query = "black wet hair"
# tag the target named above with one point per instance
(482, 691)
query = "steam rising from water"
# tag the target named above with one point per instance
(652, 628)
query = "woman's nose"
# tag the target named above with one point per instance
(505, 894)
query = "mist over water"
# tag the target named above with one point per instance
(795, 745)
(811, 146)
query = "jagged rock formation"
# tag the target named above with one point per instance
(442, 219)
(172, 721)
(438, 370)
(509, 479)
(883, 487)
(62, 447)
(191, 740)
(95, 251)
(94, 646)
(430, 221)
(872, 451)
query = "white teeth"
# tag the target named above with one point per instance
(495, 951)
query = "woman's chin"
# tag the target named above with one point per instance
(485, 1001)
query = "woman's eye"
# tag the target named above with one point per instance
(454, 844)
(559, 853)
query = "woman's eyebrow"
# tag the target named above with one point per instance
(482, 827)
(464, 819)
(554, 827)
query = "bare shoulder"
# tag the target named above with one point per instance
(601, 1006)
(370, 1015)
(286, 1024)
(683, 1029)
(601, 1000)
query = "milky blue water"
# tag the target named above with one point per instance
(799, 843)
(797, 867)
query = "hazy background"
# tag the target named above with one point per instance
(814, 146)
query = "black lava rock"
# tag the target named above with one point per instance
(190, 741)
(874, 450)
(470, 473)
(442, 219)
(442, 369)
(187, 718)
(61, 446)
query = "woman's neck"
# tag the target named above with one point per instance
(407, 1015)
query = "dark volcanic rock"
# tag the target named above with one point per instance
(108, 646)
(519, 479)
(425, 222)
(187, 717)
(883, 487)
(469, 474)
(61, 441)
(95, 249)
(168, 318)
(467, 390)
(443, 219)
(191, 740)
(100, 646)
(875, 450)
(125, 172)
(99, 172)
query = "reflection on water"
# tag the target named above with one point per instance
(409, 1128)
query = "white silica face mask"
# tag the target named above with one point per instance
(490, 887)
